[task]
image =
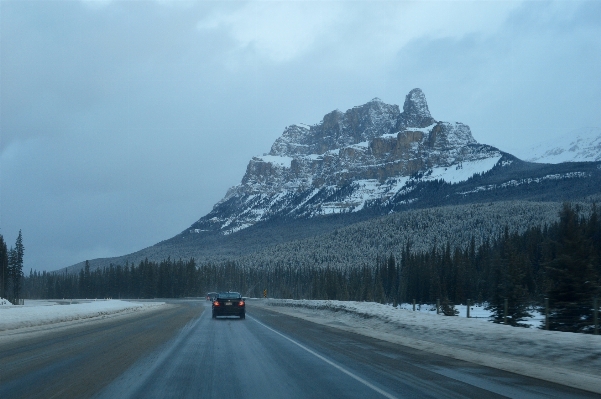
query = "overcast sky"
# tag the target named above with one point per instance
(122, 123)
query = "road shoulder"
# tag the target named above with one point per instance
(383, 330)
(13, 335)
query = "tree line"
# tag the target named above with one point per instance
(560, 262)
(513, 273)
(11, 269)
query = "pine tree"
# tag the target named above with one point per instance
(20, 251)
(509, 284)
(391, 281)
(15, 268)
(12, 270)
(573, 276)
(3, 268)
(448, 308)
(378, 288)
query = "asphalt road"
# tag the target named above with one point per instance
(182, 353)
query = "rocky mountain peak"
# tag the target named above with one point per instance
(338, 129)
(365, 155)
(415, 110)
(416, 104)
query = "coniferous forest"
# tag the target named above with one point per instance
(560, 262)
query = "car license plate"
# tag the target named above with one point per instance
(228, 304)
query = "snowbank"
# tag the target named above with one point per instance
(38, 313)
(566, 358)
(4, 302)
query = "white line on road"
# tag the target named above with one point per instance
(331, 363)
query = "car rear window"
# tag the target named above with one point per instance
(229, 295)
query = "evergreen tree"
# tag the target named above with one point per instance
(15, 266)
(4, 273)
(573, 276)
(20, 252)
(509, 284)
(87, 284)
(391, 280)
(12, 272)
(448, 308)
(378, 289)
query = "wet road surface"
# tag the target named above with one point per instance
(270, 355)
(180, 352)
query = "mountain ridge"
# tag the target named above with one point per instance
(359, 166)
(371, 149)
(579, 145)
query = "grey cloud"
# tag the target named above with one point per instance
(123, 124)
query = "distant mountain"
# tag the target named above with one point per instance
(580, 145)
(349, 161)
(368, 162)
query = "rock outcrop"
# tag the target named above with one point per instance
(347, 162)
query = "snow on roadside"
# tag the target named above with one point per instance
(4, 302)
(473, 339)
(38, 313)
(477, 311)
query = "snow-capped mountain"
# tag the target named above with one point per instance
(367, 162)
(581, 145)
(372, 153)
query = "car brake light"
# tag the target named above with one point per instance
(241, 303)
(215, 303)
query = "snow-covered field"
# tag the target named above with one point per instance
(566, 358)
(477, 311)
(41, 313)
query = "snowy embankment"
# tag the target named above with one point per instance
(566, 358)
(41, 313)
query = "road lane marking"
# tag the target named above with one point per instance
(331, 363)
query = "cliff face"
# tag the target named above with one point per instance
(349, 160)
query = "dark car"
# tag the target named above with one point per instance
(229, 304)
(211, 296)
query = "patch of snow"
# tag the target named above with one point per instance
(276, 160)
(37, 313)
(313, 157)
(372, 189)
(313, 193)
(237, 228)
(516, 183)
(477, 311)
(4, 302)
(426, 129)
(463, 171)
(363, 144)
(406, 202)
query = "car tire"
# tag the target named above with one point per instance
(214, 315)
(243, 316)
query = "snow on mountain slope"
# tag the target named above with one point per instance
(580, 145)
(349, 160)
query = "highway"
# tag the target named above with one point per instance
(180, 352)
